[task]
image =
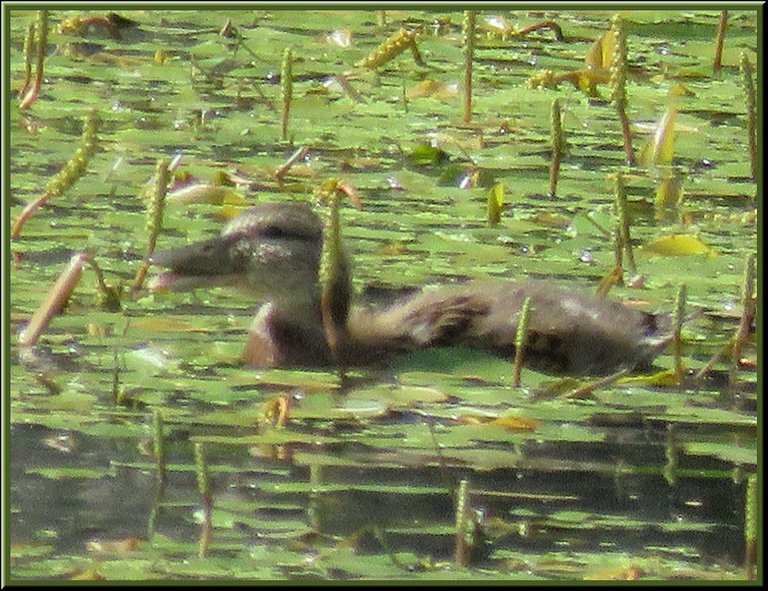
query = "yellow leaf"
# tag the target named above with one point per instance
(678, 245)
(660, 150)
(495, 203)
(516, 423)
(669, 193)
(204, 193)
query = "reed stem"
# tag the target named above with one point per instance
(204, 486)
(155, 210)
(717, 60)
(41, 28)
(521, 336)
(286, 84)
(618, 82)
(558, 146)
(468, 33)
(56, 301)
(749, 309)
(464, 523)
(750, 100)
(677, 323)
(623, 222)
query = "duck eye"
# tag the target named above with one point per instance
(273, 232)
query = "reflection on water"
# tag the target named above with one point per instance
(609, 497)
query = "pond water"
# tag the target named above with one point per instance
(140, 448)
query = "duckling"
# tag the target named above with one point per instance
(273, 251)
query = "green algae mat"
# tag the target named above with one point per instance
(141, 449)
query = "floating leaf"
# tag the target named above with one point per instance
(426, 155)
(495, 203)
(121, 547)
(660, 149)
(669, 193)
(497, 25)
(339, 37)
(599, 56)
(427, 88)
(678, 245)
(516, 423)
(205, 193)
(663, 378)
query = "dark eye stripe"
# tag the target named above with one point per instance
(287, 232)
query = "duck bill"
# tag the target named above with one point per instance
(203, 264)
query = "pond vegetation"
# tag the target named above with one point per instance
(601, 151)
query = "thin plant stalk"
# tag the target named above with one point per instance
(586, 390)
(521, 336)
(551, 25)
(464, 522)
(286, 84)
(623, 222)
(108, 298)
(204, 486)
(29, 45)
(750, 100)
(470, 18)
(56, 301)
(118, 392)
(295, 157)
(717, 60)
(618, 83)
(672, 453)
(749, 309)
(41, 28)
(330, 269)
(155, 210)
(67, 176)
(750, 525)
(558, 146)
(677, 324)
(158, 445)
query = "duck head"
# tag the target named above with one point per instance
(272, 252)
